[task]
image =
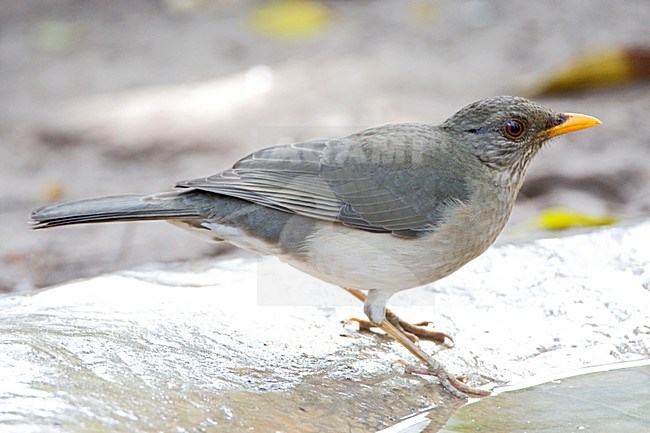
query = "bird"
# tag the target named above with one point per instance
(376, 212)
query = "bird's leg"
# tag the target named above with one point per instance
(433, 367)
(415, 332)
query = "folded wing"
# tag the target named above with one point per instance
(384, 179)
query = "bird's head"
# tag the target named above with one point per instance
(505, 132)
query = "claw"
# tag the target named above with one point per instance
(364, 325)
(420, 330)
(454, 386)
(415, 332)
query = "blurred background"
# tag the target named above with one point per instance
(129, 96)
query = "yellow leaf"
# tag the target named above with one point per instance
(599, 69)
(58, 36)
(423, 12)
(53, 191)
(290, 19)
(561, 219)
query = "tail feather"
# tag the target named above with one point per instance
(113, 208)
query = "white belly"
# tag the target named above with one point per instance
(363, 260)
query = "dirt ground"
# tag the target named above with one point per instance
(130, 96)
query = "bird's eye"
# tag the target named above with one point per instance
(514, 129)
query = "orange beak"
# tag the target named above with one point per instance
(574, 122)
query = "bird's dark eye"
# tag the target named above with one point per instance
(514, 129)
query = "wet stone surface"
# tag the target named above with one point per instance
(256, 346)
(617, 400)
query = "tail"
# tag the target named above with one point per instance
(114, 208)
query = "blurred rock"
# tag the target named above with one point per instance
(196, 347)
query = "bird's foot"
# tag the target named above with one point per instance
(415, 332)
(453, 384)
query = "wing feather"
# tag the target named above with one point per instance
(386, 179)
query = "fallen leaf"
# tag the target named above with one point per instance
(423, 12)
(57, 36)
(595, 70)
(561, 219)
(290, 19)
(52, 192)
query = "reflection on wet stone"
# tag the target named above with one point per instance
(240, 345)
